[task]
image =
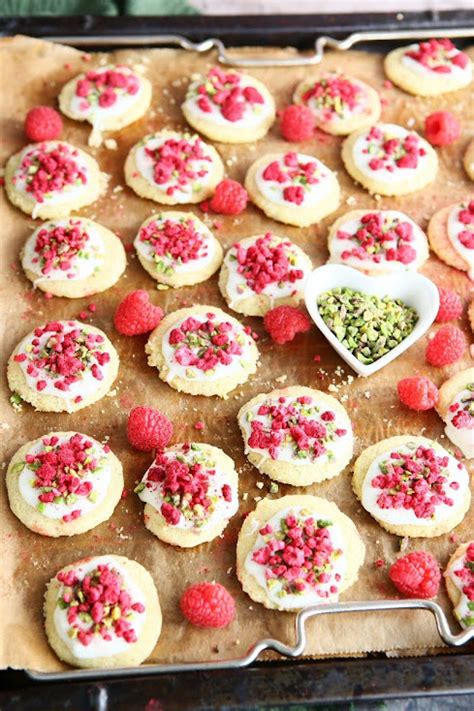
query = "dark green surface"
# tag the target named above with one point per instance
(44, 8)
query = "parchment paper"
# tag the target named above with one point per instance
(32, 73)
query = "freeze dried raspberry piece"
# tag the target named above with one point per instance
(416, 575)
(208, 605)
(418, 393)
(136, 314)
(284, 322)
(447, 346)
(148, 429)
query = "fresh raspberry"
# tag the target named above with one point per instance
(450, 305)
(442, 128)
(208, 605)
(447, 346)
(136, 314)
(148, 429)
(284, 322)
(418, 393)
(230, 198)
(416, 575)
(43, 123)
(297, 123)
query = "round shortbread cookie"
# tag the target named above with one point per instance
(340, 103)
(122, 620)
(468, 160)
(470, 314)
(202, 351)
(459, 579)
(293, 188)
(64, 483)
(296, 435)
(456, 407)
(261, 272)
(332, 566)
(229, 107)
(173, 168)
(389, 160)
(429, 68)
(177, 249)
(109, 98)
(377, 242)
(190, 493)
(50, 180)
(73, 257)
(451, 234)
(400, 498)
(67, 379)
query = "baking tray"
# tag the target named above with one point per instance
(376, 32)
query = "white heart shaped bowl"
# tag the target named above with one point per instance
(413, 289)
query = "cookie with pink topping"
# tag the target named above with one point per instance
(429, 68)
(293, 188)
(173, 168)
(228, 106)
(389, 160)
(459, 578)
(456, 407)
(412, 486)
(64, 483)
(102, 612)
(109, 98)
(50, 180)
(298, 551)
(73, 257)
(202, 351)
(451, 236)
(377, 242)
(340, 104)
(468, 160)
(62, 366)
(296, 435)
(190, 494)
(177, 249)
(263, 271)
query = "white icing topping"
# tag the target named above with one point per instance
(338, 246)
(462, 437)
(237, 287)
(344, 111)
(222, 510)
(402, 516)
(314, 193)
(100, 647)
(462, 609)
(455, 227)
(99, 478)
(418, 68)
(83, 264)
(309, 596)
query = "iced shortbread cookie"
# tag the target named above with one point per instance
(340, 103)
(63, 366)
(102, 612)
(456, 407)
(73, 257)
(64, 483)
(429, 68)
(173, 168)
(377, 242)
(451, 235)
(293, 188)
(52, 179)
(177, 249)
(459, 578)
(297, 551)
(296, 435)
(229, 107)
(109, 98)
(389, 160)
(470, 314)
(261, 272)
(190, 493)
(468, 160)
(412, 486)
(202, 351)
